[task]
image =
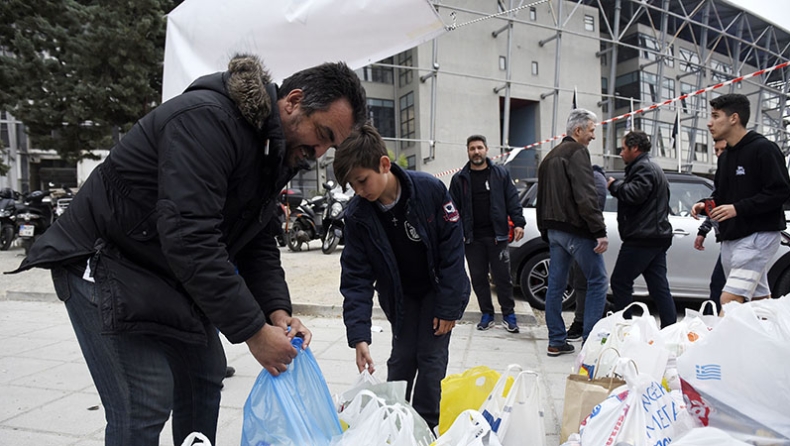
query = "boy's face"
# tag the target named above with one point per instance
(720, 125)
(368, 183)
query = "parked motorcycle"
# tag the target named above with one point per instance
(288, 199)
(61, 201)
(306, 224)
(333, 222)
(33, 217)
(7, 214)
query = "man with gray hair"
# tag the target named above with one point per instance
(571, 221)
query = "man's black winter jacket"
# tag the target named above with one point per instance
(176, 207)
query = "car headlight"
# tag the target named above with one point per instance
(4, 213)
(336, 209)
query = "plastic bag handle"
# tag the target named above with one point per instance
(597, 367)
(707, 303)
(645, 310)
(499, 388)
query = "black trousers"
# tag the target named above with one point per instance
(484, 255)
(419, 357)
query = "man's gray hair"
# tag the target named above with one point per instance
(579, 117)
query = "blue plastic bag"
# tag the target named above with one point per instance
(292, 409)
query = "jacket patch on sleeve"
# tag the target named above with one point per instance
(450, 213)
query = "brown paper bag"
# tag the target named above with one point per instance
(581, 396)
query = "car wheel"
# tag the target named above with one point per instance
(534, 282)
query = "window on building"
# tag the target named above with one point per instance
(405, 75)
(382, 75)
(689, 60)
(5, 135)
(624, 52)
(627, 85)
(664, 141)
(701, 149)
(692, 103)
(589, 23)
(770, 102)
(381, 113)
(534, 68)
(411, 162)
(502, 63)
(533, 14)
(720, 72)
(408, 128)
(667, 88)
(649, 88)
(652, 48)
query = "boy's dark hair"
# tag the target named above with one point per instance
(324, 84)
(638, 139)
(733, 103)
(364, 148)
(477, 138)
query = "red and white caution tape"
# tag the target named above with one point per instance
(513, 153)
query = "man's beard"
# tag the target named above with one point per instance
(301, 158)
(478, 161)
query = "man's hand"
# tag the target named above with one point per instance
(518, 234)
(696, 209)
(609, 182)
(441, 326)
(723, 212)
(281, 318)
(699, 243)
(364, 360)
(272, 348)
(602, 246)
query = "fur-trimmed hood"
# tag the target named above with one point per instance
(246, 81)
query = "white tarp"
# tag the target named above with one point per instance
(289, 35)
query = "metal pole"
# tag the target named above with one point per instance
(610, 133)
(506, 123)
(557, 53)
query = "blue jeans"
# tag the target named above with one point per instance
(564, 248)
(651, 263)
(142, 378)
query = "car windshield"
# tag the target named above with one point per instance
(682, 196)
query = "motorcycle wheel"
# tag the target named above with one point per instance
(293, 241)
(6, 237)
(330, 242)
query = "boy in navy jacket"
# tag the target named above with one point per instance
(403, 240)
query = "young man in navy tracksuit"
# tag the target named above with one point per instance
(403, 240)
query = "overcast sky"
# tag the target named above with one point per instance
(775, 11)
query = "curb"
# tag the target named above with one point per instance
(524, 313)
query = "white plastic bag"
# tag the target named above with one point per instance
(711, 320)
(374, 420)
(679, 336)
(641, 413)
(737, 378)
(637, 338)
(523, 415)
(470, 428)
(494, 405)
(190, 440)
(364, 381)
(707, 436)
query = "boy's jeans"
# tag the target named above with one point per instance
(141, 378)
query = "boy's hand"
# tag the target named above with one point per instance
(441, 326)
(697, 209)
(699, 243)
(364, 360)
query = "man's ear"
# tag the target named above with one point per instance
(293, 99)
(385, 165)
(734, 118)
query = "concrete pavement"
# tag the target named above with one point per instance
(47, 397)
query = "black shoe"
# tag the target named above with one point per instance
(561, 350)
(230, 371)
(575, 331)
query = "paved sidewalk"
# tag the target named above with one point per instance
(47, 397)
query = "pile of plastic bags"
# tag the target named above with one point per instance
(702, 381)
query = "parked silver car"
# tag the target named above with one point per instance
(688, 270)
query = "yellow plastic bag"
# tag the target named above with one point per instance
(462, 391)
